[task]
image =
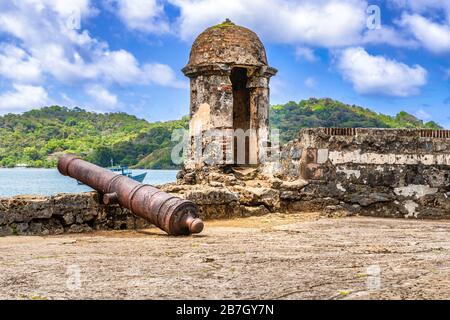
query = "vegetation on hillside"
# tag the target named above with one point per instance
(37, 137)
(291, 117)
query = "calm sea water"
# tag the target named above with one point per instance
(21, 181)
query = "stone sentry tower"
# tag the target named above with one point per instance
(229, 77)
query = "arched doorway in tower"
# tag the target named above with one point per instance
(241, 115)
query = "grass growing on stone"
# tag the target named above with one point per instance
(226, 24)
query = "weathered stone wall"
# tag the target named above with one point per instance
(64, 213)
(380, 172)
(76, 213)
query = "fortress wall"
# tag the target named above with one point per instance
(76, 213)
(374, 172)
(63, 213)
(380, 172)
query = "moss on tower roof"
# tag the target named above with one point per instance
(226, 24)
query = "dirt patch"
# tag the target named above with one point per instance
(271, 257)
(268, 221)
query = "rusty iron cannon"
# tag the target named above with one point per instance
(169, 213)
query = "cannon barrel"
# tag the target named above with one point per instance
(169, 213)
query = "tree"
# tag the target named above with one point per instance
(102, 156)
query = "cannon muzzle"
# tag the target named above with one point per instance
(169, 213)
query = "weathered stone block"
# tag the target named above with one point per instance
(4, 204)
(254, 211)
(294, 185)
(291, 195)
(6, 231)
(384, 210)
(48, 227)
(227, 179)
(68, 218)
(77, 228)
(367, 199)
(211, 196)
(251, 196)
(64, 203)
(220, 211)
(23, 209)
(21, 228)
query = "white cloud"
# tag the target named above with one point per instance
(102, 96)
(45, 47)
(423, 115)
(433, 36)
(310, 83)
(379, 75)
(64, 8)
(306, 23)
(18, 65)
(42, 21)
(326, 23)
(70, 55)
(142, 15)
(304, 53)
(390, 36)
(121, 67)
(24, 97)
(163, 75)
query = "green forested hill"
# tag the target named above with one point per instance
(291, 117)
(37, 137)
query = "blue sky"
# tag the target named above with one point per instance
(127, 55)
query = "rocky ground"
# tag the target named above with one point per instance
(271, 257)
